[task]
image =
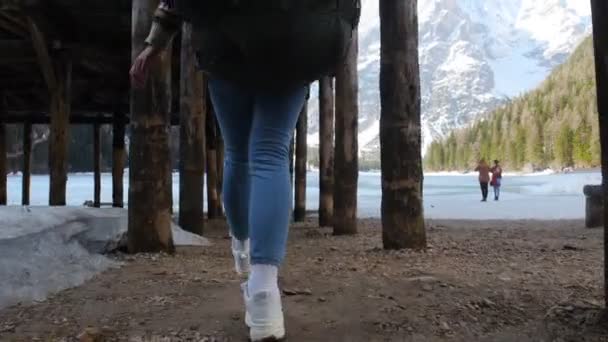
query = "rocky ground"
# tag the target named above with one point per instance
(478, 281)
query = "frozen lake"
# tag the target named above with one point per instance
(536, 196)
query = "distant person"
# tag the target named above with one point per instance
(260, 57)
(484, 178)
(496, 179)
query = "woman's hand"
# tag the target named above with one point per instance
(141, 66)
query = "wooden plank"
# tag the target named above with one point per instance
(220, 169)
(192, 138)
(599, 10)
(400, 127)
(27, 164)
(326, 151)
(97, 165)
(59, 135)
(119, 158)
(149, 154)
(346, 168)
(299, 212)
(42, 53)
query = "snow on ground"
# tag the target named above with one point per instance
(44, 250)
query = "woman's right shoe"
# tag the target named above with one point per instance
(264, 315)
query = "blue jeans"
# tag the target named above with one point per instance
(257, 127)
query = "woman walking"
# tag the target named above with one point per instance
(496, 179)
(484, 178)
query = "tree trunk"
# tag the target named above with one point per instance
(192, 139)
(149, 168)
(27, 164)
(346, 167)
(97, 165)
(119, 157)
(400, 134)
(213, 200)
(599, 9)
(59, 138)
(299, 213)
(326, 152)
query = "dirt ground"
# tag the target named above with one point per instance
(478, 281)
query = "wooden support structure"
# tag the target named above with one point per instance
(299, 212)
(213, 199)
(400, 127)
(27, 164)
(220, 169)
(149, 172)
(59, 131)
(193, 107)
(599, 10)
(97, 165)
(346, 167)
(119, 158)
(326, 151)
(3, 159)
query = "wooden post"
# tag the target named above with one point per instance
(299, 213)
(192, 138)
(27, 164)
(3, 164)
(149, 177)
(346, 168)
(220, 169)
(326, 151)
(59, 135)
(119, 157)
(400, 129)
(212, 180)
(599, 10)
(292, 152)
(97, 165)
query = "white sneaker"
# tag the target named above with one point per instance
(264, 315)
(240, 251)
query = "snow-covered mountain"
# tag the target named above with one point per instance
(474, 54)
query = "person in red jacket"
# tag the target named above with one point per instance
(484, 178)
(496, 179)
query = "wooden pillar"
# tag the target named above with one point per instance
(149, 156)
(3, 157)
(59, 135)
(299, 213)
(292, 152)
(220, 169)
(27, 164)
(213, 200)
(346, 168)
(326, 151)
(97, 165)
(400, 128)
(119, 158)
(192, 138)
(599, 10)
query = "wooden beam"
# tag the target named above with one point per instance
(599, 10)
(119, 158)
(346, 168)
(59, 132)
(299, 213)
(12, 25)
(400, 127)
(192, 138)
(44, 59)
(326, 151)
(220, 169)
(97, 165)
(27, 164)
(149, 155)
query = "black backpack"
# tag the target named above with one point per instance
(271, 43)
